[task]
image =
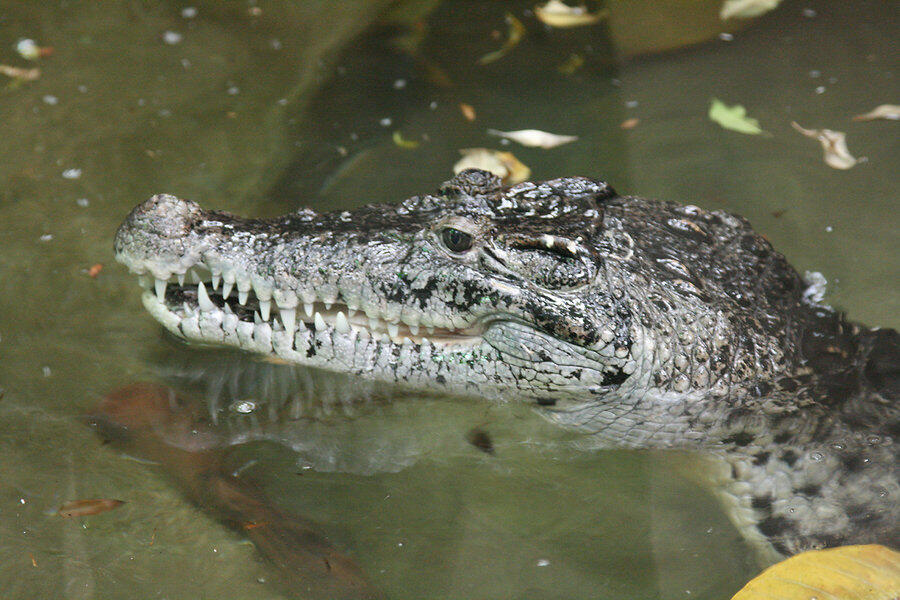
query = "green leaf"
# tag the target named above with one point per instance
(733, 117)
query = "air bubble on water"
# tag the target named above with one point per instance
(188, 12)
(816, 456)
(71, 174)
(543, 562)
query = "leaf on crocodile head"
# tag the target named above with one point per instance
(746, 9)
(884, 111)
(502, 164)
(834, 145)
(733, 117)
(514, 36)
(556, 13)
(864, 572)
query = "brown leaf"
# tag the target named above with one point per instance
(834, 145)
(629, 123)
(884, 111)
(91, 506)
(95, 270)
(19, 73)
(467, 111)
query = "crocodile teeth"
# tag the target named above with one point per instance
(264, 307)
(242, 296)
(318, 321)
(374, 323)
(341, 324)
(180, 278)
(216, 277)
(414, 329)
(161, 289)
(289, 318)
(393, 330)
(308, 308)
(328, 305)
(227, 284)
(203, 300)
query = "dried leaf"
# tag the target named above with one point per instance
(403, 142)
(571, 64)
(502, 164)
(869, 572)
(745, 9)
(19, 73)
(514, 36)
(629, 123)
(834, 144)
(535, 138)
(885, 111)
(467, 111)
(733, 117)
(84, 508)
(559, 14)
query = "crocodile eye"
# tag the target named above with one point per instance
(456, 240)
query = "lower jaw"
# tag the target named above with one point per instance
(358, 351)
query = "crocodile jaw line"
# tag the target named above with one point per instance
(222, 307)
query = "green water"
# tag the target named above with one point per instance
(260, 111)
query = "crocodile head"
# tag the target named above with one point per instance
(546, 291)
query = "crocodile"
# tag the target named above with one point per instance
(643, 323)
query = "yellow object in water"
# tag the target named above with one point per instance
(870, 572)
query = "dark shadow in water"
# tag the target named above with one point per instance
(153, 422)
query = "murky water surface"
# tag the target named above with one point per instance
(261, 107)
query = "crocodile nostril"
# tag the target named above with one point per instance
(164, 215)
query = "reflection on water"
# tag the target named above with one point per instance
(259, 109)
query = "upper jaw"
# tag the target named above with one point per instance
(201, 267)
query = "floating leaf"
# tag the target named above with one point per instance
(467, 111)
(629, 123)
(20, 73)
(834, 144)
(502, 164)
(733, 117)
(885, 111)
(402, 142)
(535, 138)
(745, 9)
(514, 36)
(850, 572)
(559, 14)
(95, 269)
(84, 508)
(571, 64)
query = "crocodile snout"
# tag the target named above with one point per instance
(160, 228)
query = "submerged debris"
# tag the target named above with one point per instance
(84, 508)
(502, 164)
(559, 14)
(745, 9)
(733, 117)
(479, 438)
(834, 145)
(513, 37)
(534, 138)
(571, 64)
(468, 111)
(629, 123)
(885, 111)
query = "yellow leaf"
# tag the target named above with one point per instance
(402, 142)
(834, 145)
(515, 35)
(849, 573)
(733, 117)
